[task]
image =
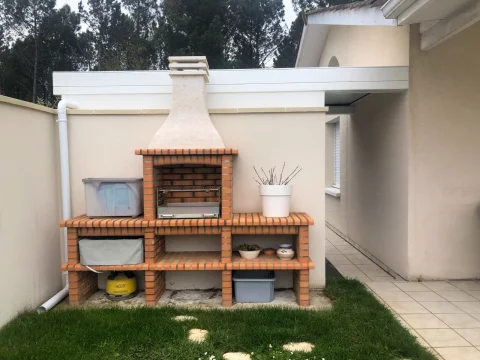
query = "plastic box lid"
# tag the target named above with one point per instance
(254, 275)
(112, 180)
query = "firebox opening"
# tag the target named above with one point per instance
(189, 191)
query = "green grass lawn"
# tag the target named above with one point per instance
(358, 327)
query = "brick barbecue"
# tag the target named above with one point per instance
(189, 167)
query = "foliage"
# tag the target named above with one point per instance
(36, 38)
(248, 247)
(357, 328)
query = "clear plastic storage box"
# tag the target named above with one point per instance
(254, 286)
(113, 197)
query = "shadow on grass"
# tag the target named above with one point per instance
(358, 327)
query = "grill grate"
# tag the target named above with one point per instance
(162, 192)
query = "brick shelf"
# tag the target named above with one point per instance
(201, 261)
(169, 168)
(238, 219)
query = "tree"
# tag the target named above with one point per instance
(288, 49)
(257, 31)
(192, 27)
(22, 18)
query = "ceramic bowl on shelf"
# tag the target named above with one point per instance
(285, 254)
(269, 252)
(285, 246)
(249, 255)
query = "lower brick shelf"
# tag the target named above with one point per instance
(201, 261)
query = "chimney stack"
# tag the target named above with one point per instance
(188, 125)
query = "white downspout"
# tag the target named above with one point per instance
(66, 204)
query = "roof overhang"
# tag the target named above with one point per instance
(439, 19)
(315, 31)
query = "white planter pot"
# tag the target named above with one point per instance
(249, 255)
(275, 200)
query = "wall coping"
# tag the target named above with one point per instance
(26, 104)
(322, 109)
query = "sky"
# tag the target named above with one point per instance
(289, 13)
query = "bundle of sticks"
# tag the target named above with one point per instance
(271, 178)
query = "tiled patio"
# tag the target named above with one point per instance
(443, 315)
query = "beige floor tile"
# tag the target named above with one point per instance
(469, 285)
(339, 260)
(375, 273)
(382, 286)
(435, 353)
(459, 321)
(381, 278)
(420, 340)
(459, 353)
(359, 259)
(411, 286)
(470, 307)
(369, 267)
(347, 267)
(425, 296)
(442, 337)
(424, 321)
(471, 335)
(332, 251)
(347, 250)
(407, 307)
(441, 307)
(393, 296)
(455, 295)
(439, 285)
(475, 294)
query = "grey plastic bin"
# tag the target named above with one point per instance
(113, 196)
(254, 286)
(111, 251)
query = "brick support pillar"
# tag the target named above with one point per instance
(227, 187)
(154, 286)
(226, 244)
(154, 246)
(301, 286)
(81, 285)
(302, 245)
(227, 291)
(149, 188)
(72, 243)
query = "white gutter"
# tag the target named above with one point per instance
(66, 204)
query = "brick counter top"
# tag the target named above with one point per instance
(239, 219)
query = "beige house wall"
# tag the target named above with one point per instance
(445, 181)
(103, 146)
(30, 250)
(367, 46)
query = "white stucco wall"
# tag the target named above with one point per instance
(366, 46)
(445, 187)
(103, 146)
(29, 212)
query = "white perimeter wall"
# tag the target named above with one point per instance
(29, 212)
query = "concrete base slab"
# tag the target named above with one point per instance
(206, 299)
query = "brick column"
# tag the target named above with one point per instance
(227, 187)
(149, 188)
(226, 244)
(301, 285)
(154, 286)
(72, 244)
(302, 245)
(227, 291)
(81, 285)
(154, 246)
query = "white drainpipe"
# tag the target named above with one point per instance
(66, 205)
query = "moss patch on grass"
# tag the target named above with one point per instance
(358, 327)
